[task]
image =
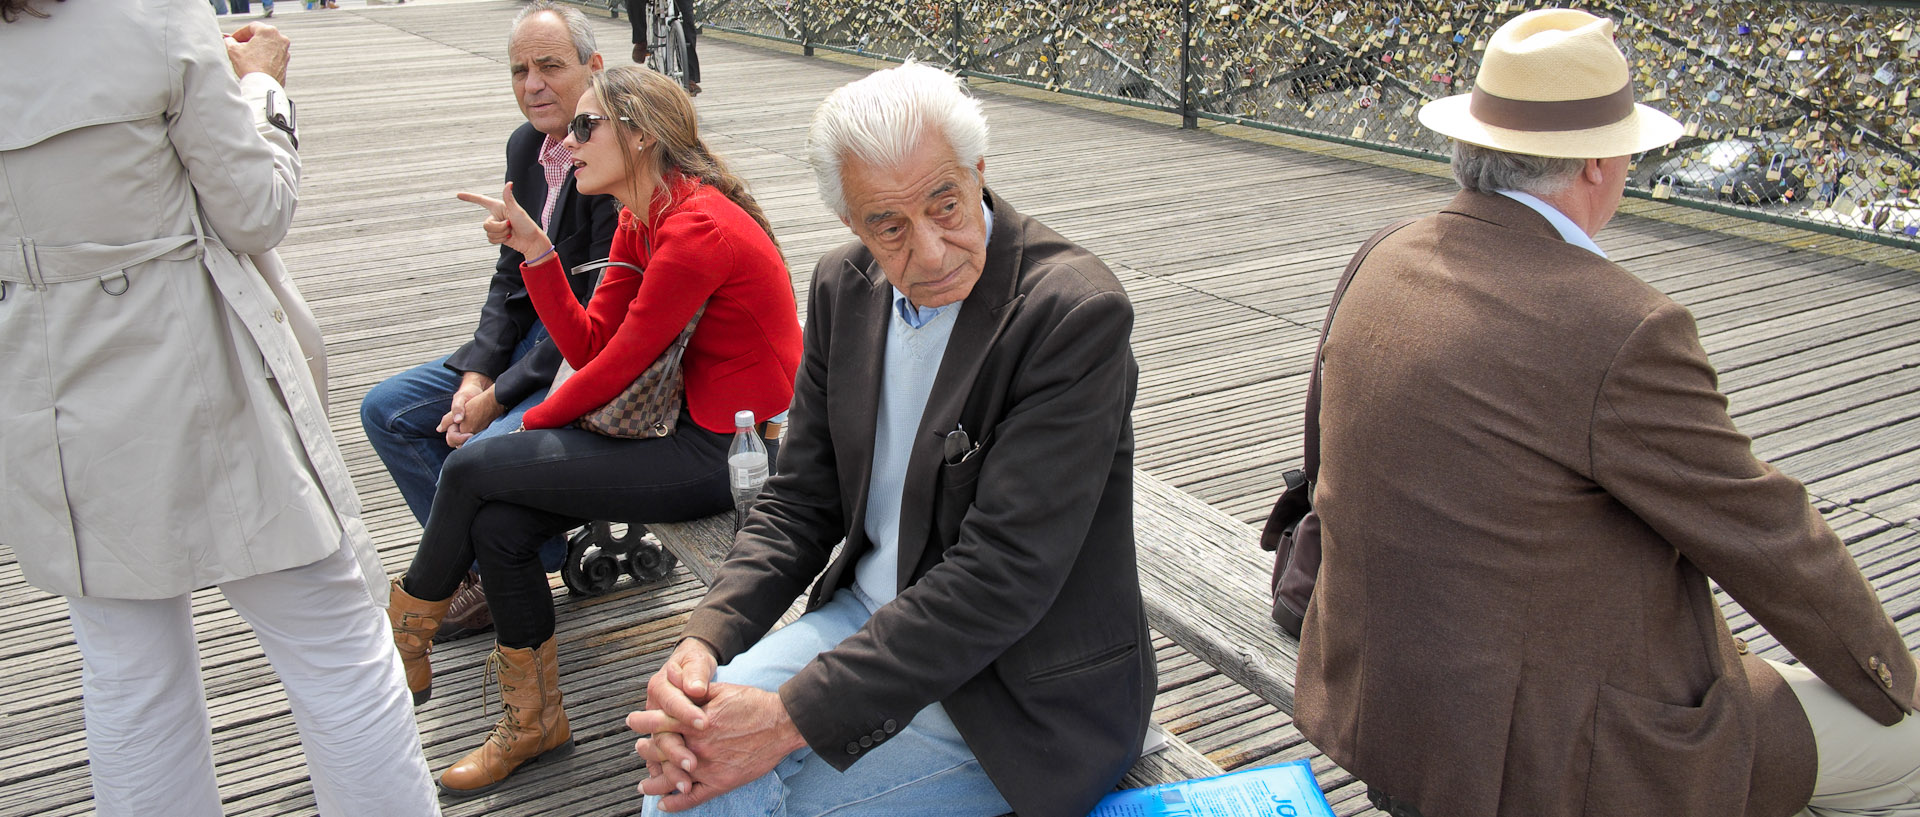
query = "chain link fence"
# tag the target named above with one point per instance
(1805, 113)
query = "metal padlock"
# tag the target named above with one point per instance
(1663, 189)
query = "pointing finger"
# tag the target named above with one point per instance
(494, 206)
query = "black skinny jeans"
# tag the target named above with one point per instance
(501, 497)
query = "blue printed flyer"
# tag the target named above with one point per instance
(1285, 790)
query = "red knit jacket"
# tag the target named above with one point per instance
(701, 247)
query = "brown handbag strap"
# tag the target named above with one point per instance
(1311, 432)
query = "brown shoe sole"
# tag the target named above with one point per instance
(556, 753)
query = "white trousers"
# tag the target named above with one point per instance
(149, 738)
(1864, 768)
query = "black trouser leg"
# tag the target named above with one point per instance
(692, 31)
(499, 498)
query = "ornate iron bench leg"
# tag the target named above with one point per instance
(596, 557)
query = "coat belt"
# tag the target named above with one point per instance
(24, 261)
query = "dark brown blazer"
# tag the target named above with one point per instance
(1528, 475)
(1019, 607)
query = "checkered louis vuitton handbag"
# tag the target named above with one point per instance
(650, 405)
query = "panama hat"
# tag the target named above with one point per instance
(1552, 83)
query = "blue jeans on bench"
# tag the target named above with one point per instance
(400, 414)
(927, 769)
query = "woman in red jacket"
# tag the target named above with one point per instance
(702, 239)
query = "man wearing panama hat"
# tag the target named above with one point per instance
(1527, 477)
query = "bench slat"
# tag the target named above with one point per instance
(1206, 585)
(700, 544)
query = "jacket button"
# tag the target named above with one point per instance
(891, 726)
(1881, 669)
(853, 748)
(879, 736)
(1740, 646)
(279, 317)
(866, 741)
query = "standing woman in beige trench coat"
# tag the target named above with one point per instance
(159, 431)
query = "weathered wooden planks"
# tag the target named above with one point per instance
(1228, 239)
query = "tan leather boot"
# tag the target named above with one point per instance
(533, 728)
(414, 622)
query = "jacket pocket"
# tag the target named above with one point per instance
(1655, 759)
(736, 364)
(1083, 664)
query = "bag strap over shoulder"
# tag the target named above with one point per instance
(596, 266)
(1296, 500)
(1311, 432)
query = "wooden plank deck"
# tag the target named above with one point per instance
(1228, 239)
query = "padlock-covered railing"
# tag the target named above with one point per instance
(1801, 112)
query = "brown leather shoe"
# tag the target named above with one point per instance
(468, 615)
(414, 622)
(533, 728)
(639, 54)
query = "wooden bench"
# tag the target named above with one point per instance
(1206, 584)
(1203, 579)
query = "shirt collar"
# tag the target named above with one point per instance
(555, 152)
(918, 316)
(1569, 231)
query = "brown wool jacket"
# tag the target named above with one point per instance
(1528, 477)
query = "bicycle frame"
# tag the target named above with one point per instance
(666, 40)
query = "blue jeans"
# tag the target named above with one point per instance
(400, 415)
(927, 769)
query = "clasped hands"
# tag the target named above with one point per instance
(704, 739)
(473, 408)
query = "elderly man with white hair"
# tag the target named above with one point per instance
(1528, 476)
(962, 420)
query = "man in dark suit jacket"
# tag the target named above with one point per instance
(1528, 476)
(962, 421)
(416, 418)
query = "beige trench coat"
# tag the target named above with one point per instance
(160, 430)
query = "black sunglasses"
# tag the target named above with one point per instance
(582, 126)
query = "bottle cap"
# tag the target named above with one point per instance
(743, 419)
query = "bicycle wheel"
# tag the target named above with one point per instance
(673, 58)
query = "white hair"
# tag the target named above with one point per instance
(578, 29)
(1482, 169)
(879, 120)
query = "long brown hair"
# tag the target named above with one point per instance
(655, 106)
(10, 10)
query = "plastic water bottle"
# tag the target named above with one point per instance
(746, 466)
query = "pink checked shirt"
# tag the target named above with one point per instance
(556, 160)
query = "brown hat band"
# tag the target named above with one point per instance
(1562, 115)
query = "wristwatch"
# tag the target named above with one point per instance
(280, 115)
